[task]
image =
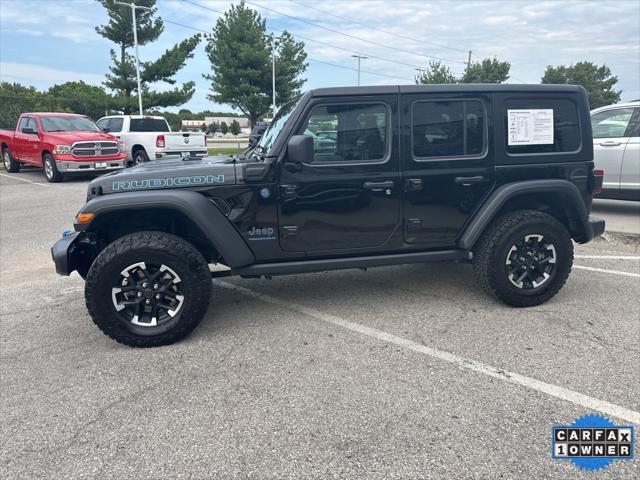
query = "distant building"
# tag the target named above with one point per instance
(193, 124)
(243, 121)
(198, 124)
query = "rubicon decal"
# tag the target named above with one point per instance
(168, 182)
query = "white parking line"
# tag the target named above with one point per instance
(460, 362)
(25, 180)
(604, 270)
(610, 257)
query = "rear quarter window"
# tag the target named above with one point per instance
(566, 126)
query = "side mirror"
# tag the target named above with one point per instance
(28, 130)
(300, 149)
(106, 130)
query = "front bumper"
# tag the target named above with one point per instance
(62, 252)
(93, 166)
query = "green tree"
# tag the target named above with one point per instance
(79, 97)
(234, 128)
(213, 128)
(489, 70)
(436, 73)
(598, 81)
(16, 99)
(122, 76)
(224, 128)
(239, 50)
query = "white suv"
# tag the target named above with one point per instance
(616, 148)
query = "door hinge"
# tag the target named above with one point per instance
(288, 191)
(412, 184)
(414, 224)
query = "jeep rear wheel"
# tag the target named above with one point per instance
(524, 258)
(10, 163)
(148, 289)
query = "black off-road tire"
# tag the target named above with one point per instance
(140, 157)
(152, 248)
(50, 169)
(11, 165)
(494, 246)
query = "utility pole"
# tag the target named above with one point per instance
(469, 60)
(135, 44)
(359, 57)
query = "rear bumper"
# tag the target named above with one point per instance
(93, 166)
(179, 154)
(593, 227)
(61, 253)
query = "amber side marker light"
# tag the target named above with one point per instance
(84, 217)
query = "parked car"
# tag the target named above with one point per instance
(61, 143)
(508, 189)
(150, 138)
(616, 149)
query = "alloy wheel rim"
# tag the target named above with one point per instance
(48, 168)
(6, 160)
(148, 295)
(531, 262)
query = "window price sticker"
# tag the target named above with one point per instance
(530, 127)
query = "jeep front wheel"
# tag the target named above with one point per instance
(148, 289)
(524, 258)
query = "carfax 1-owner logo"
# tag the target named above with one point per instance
(592, 442)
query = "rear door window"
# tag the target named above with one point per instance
(448, 128)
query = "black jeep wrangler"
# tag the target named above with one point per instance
(500, 176)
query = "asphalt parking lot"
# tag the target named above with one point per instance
(398, 372)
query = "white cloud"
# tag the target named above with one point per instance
(38, 76)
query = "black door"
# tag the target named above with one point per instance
(349, 195)
(447, 161)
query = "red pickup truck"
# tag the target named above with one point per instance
(61, 143)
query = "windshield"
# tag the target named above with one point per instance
(279, 121)
(68, 124)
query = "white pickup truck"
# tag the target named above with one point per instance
(150, 138)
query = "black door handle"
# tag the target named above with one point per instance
(470, 180)
(379, 186)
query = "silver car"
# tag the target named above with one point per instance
(616, 148)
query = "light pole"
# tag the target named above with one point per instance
(135, 44)
(359, 57)
(273, 72)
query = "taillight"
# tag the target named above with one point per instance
(598, 177)
(160, 141)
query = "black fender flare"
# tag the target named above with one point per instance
(487, 212)
(206, 216)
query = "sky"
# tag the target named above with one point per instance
(44, 42)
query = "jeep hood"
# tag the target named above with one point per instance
(163, 174)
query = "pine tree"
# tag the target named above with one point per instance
(122, 79)
(239, 50)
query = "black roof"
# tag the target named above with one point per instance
(444, 88)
